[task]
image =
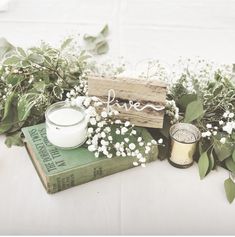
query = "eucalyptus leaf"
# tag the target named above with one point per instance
(8, 122)
(8, 104)
(105, 31)
(166, 127)
(230, 164)
(194, 111)
(89, 38)
(229, 186)
(97, 44)
(222, 151)
(14, 139)
(102, 48)
(233, 156)
(5, 125)
(186, 99)
(66, 43)
(203, 165)
(211, 161)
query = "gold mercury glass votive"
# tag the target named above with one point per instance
(184, 138)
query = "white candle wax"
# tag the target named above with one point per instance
(66, 127)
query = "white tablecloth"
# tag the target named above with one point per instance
(158, 199)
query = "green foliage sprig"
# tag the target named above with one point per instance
(98, 44)
(205, 96)
(32, 79)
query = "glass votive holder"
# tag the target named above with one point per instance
(66, 125)
(184, 138)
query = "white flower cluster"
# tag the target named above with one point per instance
(6, 92)
(226, 124)
(172, 111)
(153, 69)
(108, 67)
(229, 123)
(78, 90)
(126, 141)
(197, 71)
(211, 130)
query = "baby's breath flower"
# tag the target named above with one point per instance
(126, 139)
(223, 140)
(87, 101)
(209, 125)
(90, 130)
(100, 124)
(107, 129)
(92, 121)
(91, 148)
(118, 121)
(132, 146)
(135, 163)
(123, 130)
(139, 139)
(221, 122)
(104, 114)
(142, 160)
(115, 112)
(94, 98)
(133, 132)
(226, 114)
(103, 134)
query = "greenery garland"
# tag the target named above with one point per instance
(201, 93)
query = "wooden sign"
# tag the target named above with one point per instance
(140, 101)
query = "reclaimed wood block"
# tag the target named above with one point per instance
(140, 101)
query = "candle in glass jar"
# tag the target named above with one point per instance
(184, 139)
(66, 126)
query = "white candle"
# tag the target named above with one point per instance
(66, 126)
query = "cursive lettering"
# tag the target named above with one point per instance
(128, 106)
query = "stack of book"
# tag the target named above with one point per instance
(61, 169)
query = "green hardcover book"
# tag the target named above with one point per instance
(60, 169)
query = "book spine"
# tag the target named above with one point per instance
(95, 171)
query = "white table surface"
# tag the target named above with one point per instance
(158, 199)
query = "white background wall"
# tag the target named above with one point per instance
(140, 29)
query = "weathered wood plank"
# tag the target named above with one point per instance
(147, 95)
